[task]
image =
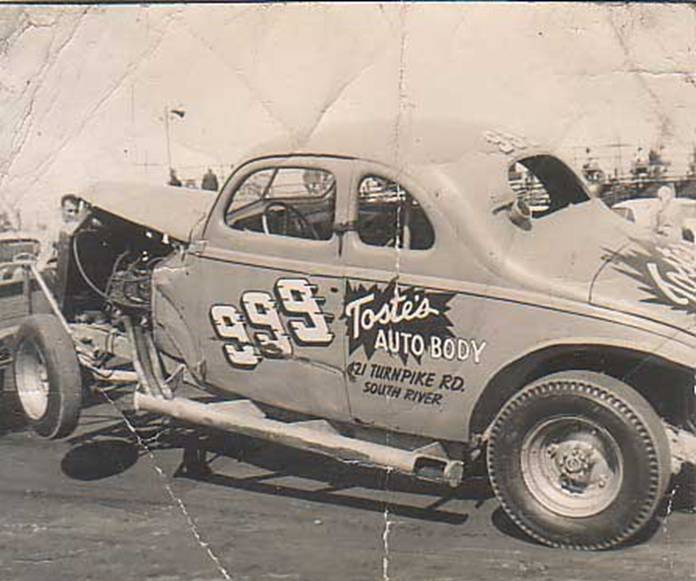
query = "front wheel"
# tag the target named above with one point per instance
(47, 376)
(579, 460)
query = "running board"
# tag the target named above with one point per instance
(243, 417)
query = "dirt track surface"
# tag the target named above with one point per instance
(102, 505)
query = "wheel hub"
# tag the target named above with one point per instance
(572, 466)
(32, 380)
(575, 462)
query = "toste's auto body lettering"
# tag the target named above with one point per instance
(398, 308)
(405, 321)
(409, 324)
(257, 331)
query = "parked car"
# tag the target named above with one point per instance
(641, 211)
(18, 255)
(384, 297)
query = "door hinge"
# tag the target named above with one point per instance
(343, 227)
(340, 229)
(196, 247)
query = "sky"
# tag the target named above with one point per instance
(84, 90)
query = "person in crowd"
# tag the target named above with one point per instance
(316, 181)
(657, 166)
(665, 219)
(210, 181)
(590, 169)
(639, 168)
(57, 235)
(5, 222)
(691, 172)
(69, 209)
(639, 163)
(173, 178)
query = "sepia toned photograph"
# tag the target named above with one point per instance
(348, 291)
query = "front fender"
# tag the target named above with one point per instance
(172, 334)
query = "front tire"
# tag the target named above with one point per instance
(579, 460)
(47, 376)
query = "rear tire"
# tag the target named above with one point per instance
(579, 460)
(47, 376)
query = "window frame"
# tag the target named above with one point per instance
(276, 168)
(366, 173)
(215, 237)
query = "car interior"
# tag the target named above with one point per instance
(294, 202)
(389, 216)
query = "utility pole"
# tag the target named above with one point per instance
(179, 113)
(166, 131)
(618, 159)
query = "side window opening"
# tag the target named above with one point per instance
(389, 216)
(545, 184)
(298, 202)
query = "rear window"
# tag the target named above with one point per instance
(546, 184)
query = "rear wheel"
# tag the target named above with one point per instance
(47, 376)
(579, 460)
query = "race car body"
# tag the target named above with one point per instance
(473, 278)
(392, 283)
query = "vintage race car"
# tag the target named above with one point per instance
(19, 252)
(384, 296)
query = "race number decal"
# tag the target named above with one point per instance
(229, 325)
(261, 312)
(298, 298)
(507, 143)
(256, 330)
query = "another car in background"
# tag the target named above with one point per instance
(640, 211)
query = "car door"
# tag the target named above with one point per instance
(271, 288)
(412, 346)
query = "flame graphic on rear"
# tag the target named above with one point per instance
(667, 272)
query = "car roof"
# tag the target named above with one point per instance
(423, 142)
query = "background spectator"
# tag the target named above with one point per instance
(210, 181)
(173, 179)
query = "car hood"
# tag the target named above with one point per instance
(650, 278)
(167, 209)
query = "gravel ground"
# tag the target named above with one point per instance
(104, 504)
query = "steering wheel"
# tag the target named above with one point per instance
(305, 226)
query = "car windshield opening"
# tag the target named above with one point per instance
(295, 202)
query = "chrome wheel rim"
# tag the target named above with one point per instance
(572, 466)
(32, 380)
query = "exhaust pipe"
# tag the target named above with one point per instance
(239, 417)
